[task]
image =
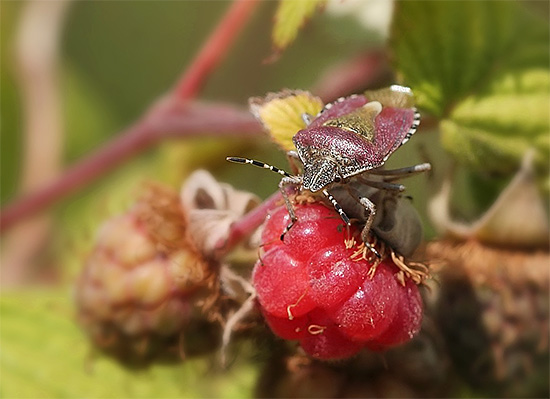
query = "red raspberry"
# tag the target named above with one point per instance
(407, 321)
(324, 339)
(294, 329)
(281, 278)
(334, 276)
(311, 290)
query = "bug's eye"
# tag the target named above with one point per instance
(337, 179)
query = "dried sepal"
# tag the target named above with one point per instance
(517, 218)
(281, 113)
(211, 208)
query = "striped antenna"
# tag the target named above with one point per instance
(259, 165)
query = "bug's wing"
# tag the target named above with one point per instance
(358, 153)
(281, 113)
(359, 133)
(394, 127)
(398, 120)
(338, 108)
(394, 96)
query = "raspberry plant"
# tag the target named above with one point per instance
(479, 71)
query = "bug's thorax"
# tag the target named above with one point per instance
(321, 173)
(329, 147)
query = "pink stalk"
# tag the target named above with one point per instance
(249, 222)
(164, 121)
(214, 49)
(144, 133)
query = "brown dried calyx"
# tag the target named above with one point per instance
(518, 218)
(492, 301)
(211, 208)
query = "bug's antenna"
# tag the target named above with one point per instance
(259, 165)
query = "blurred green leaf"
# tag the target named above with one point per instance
(45, 355)
(482, 67)
(289, 18)
(89, 122)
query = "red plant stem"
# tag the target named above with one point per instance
(214, 49)
(119, 149)
(163, 121)
(141, 135)
(247, 224)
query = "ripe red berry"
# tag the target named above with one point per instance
(310, 289)
(369, 312)
(282, 285)
(406, 323)
(324, 339)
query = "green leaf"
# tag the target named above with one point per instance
(289, 18)
(281, 114)
(45, 355)
(482, 67)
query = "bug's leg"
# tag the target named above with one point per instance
(338, 208)
(369, 205)
(394, 174)
(285, 181)
(340, 211)
(383, 185)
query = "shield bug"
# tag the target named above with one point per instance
(352, 137)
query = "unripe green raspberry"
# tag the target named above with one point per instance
(136, 294)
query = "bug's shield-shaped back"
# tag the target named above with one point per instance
(338, 141)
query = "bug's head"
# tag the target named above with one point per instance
(320, 174)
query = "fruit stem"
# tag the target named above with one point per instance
(246, 226)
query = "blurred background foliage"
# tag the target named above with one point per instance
(117, 57)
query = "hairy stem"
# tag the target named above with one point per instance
(214, 49)
(170, 119)
(150, 128)
(249, 222)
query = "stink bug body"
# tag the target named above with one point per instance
(350, 138)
